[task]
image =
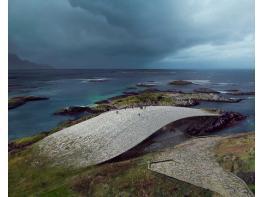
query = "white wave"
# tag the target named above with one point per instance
(95, 80)
(199, 82)
(223, 92)
(224, 84)
(147, 84)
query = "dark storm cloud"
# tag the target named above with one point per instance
(129, 33)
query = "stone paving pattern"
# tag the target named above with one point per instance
(194, 162)
(110, 134)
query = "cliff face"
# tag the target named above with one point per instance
(16, 63)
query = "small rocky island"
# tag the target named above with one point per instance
(180, 82)
(21, 100)
(148, 97)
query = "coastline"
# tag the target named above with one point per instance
(130, 168)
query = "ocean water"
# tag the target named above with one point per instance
(84, 87)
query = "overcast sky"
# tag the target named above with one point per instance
(134, 33)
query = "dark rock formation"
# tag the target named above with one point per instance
(208, 124)
(248, 177)
(232, 90)
(239, 93)
(130, 93)
(174, 91)
(205, 90)
(106, 101)
(102, 101)
(75, 110)
(180, 82)
(21, 100)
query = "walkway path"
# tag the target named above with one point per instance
(194, 162)
(110, 134)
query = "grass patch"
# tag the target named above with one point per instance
(146, 98)
(29, 177)
(237, 155)
(131, 178)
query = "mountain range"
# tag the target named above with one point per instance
(17, 63)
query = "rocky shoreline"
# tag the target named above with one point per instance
(209, 125)
(21, 100)
(129, 170)
(73, 110)
(150, 97)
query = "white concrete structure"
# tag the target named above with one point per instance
(110, 134)
(194, 162)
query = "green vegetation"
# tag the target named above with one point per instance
(163, 98)
(146, 98)
(132, 178)
(33, 176)
(27, 176)
(237, 155)
(30, 175)
(21, 143)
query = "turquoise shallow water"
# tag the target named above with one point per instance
(77, 87)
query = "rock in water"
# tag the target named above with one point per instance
(180, 82)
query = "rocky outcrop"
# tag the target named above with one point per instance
(240, 93)
(205, 90)
(130, 93)
(209, 125)
(153, 96)
(21, 100)
(174, 91)
(180, 82)
(75, 110)
(106, 101)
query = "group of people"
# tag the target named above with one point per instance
(140, 106)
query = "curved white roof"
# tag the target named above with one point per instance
(110, 134)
